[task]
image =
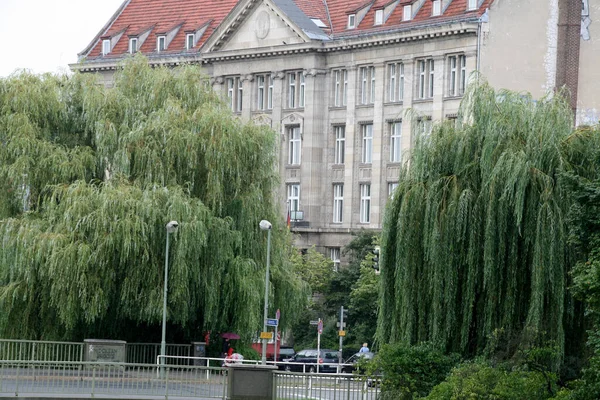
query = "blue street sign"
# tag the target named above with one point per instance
(272, 322)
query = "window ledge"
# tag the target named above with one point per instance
(427, 100)
(394, 103)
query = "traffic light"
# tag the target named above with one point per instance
(376, 258)
(343, 317)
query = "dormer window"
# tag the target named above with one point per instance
(133, 44)
(161, 43)
(105, 47)
(407, 15)
(472, 5)
(351, 21)
(378, 17)
(189, 41)
(437, 8)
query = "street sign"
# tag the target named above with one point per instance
(342, 333)
(278, 314)
(338, 324)
(272, 322)
(320, 326)
(266, 335)
(314, 322)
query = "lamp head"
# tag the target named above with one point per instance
(172, 226)
(265, 225)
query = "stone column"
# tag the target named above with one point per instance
(248, 96)
(439, 89)
(276, 114)
(313, 144)
(378, 159)
(409, 89)
(351, 157)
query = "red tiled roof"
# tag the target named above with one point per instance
(164, 15)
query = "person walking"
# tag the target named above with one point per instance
(364, 348)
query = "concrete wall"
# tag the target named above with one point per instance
(588, 101)
(518, 49)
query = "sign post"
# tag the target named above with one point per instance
(277, 316)
(319, 331)
(341, 333)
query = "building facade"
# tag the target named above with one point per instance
(335, 78)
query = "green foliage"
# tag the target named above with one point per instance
(475, 238)
(89, 178)
(411, 371)
(478, 380)
(313, 267)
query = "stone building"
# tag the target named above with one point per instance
(335, 77)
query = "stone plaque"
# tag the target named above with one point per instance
(111, 351)
(262, 25)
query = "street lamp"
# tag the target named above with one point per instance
(171, 228)
(266, 226)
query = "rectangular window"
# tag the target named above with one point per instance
(472, 4)
(372, 97)
(395, 136)
(161, 43)
(230, 92)
(302, 91)
(367, 143)
(365, 203)
(458, 75)
(430, 82)
(292, 90)
(407, 14)
(133, 42)
(260, 92)
(378, 17)
(424, 127)
(234, 93)
(334, 254)
(270, 93)
(367, 85)
(351, 21)
(294, 145)
(105, 47)
(340, 144)
(437, 8)
(293, 197)
(338, 203)
(425, 79)
(189, 41)
(396, 82)
(391, 188)
(462, 84)
(240, 92)
(340, 86)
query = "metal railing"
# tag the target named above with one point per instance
(146, 353)
(291, 386)
(22, 378)
(37, 350)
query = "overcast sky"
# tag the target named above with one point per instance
(46, 35)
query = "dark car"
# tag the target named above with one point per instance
(283, 353)
(351, 363)
(307, 361)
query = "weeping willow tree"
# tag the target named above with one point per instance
(474, 244)
(90, 176)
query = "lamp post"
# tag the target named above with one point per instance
(171, 228)
(266, 226)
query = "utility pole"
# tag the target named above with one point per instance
(341, 332)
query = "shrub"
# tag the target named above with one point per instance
(479, 380)
(411, 371)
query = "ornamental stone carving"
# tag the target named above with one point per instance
(262, 25)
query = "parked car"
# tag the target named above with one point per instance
(282, 353)
(307, 360)
(351, 363)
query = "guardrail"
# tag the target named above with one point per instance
(290, 385)
(22, 378)
(146, 353)
(32, 350)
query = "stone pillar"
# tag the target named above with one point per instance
(409, 90)
(439, 89)
(313, 144)
(378, 160)
(248, 96)
(352, 158)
